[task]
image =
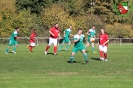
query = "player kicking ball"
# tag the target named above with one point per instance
(78, 40)
(54, 34)
(13, 41)
(32, 40)
(66, 39)
(91, 38)
(103, 44)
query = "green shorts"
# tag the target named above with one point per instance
(66, 40)
(75, 49)
(12, 42)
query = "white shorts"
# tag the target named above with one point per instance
(103, 48)
(32, 44)
(52, 41)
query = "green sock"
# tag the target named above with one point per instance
(7, 49)
(92, 49)
(85, 56)
(67, 46)
(71, 58)
(61, 46)
(14, 49)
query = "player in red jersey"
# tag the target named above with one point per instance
(103, 44)
(54, 34)
(32, 40)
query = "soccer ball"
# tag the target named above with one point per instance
(92, 39)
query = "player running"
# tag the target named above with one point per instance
(54, 34)
(78, 40)
(13, 41)
(91, 38)
(66, 39)
(103, 44)
(32, 40)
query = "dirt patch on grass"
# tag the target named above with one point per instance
(63, 73)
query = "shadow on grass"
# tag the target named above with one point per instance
(98, 59)
(50, 54)
(83, 63)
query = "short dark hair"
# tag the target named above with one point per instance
(79, 29)
(17, 28)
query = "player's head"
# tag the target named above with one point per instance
(102, 31)
(17, 29)
(34, 30)
(56, 25)
(79, 31)
(93, 27)
(70, 26)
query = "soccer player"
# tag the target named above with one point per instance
(78, 40)
(91, 35)
(32, 40)
(13, 41)
(54, 34)
(66, 39)
(103, 44)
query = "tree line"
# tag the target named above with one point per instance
(42, 14)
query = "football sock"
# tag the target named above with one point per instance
(61, 47)
(14, 49)
(101, 54)
(67, 46)
(85, 56)
(92, 49)
(30, 48)
(105, 55)
(7, 49)
(47, 48)
(71, 59)
(55, 49)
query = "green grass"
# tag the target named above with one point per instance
(36, 70)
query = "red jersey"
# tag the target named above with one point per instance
(102, 39)
(32, 37)
(55, 31)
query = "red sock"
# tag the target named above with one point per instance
(30, 48)
(55, 49)
(101, 53)
(47, 48)
(105, 55)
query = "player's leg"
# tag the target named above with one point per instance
(15, 47)
(105, 53)
(32, 45)
(55, 46)
(69, 42)
(93, 50)
(72, 57)
(74, 50)
(62, 44)
(48, 46)
(84, 53)
(88, 42)
(9, 46)
(101, 52)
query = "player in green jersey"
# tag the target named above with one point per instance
(78, 40)
(91, 38)
(66, 39)
(13, 41)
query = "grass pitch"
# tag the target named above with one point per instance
(36, 70)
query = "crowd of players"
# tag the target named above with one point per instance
(78, 41)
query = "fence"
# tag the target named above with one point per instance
(44, 40)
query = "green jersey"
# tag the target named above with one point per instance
(80, 42)
(92, 33)
(67, 32)
(14, 34)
